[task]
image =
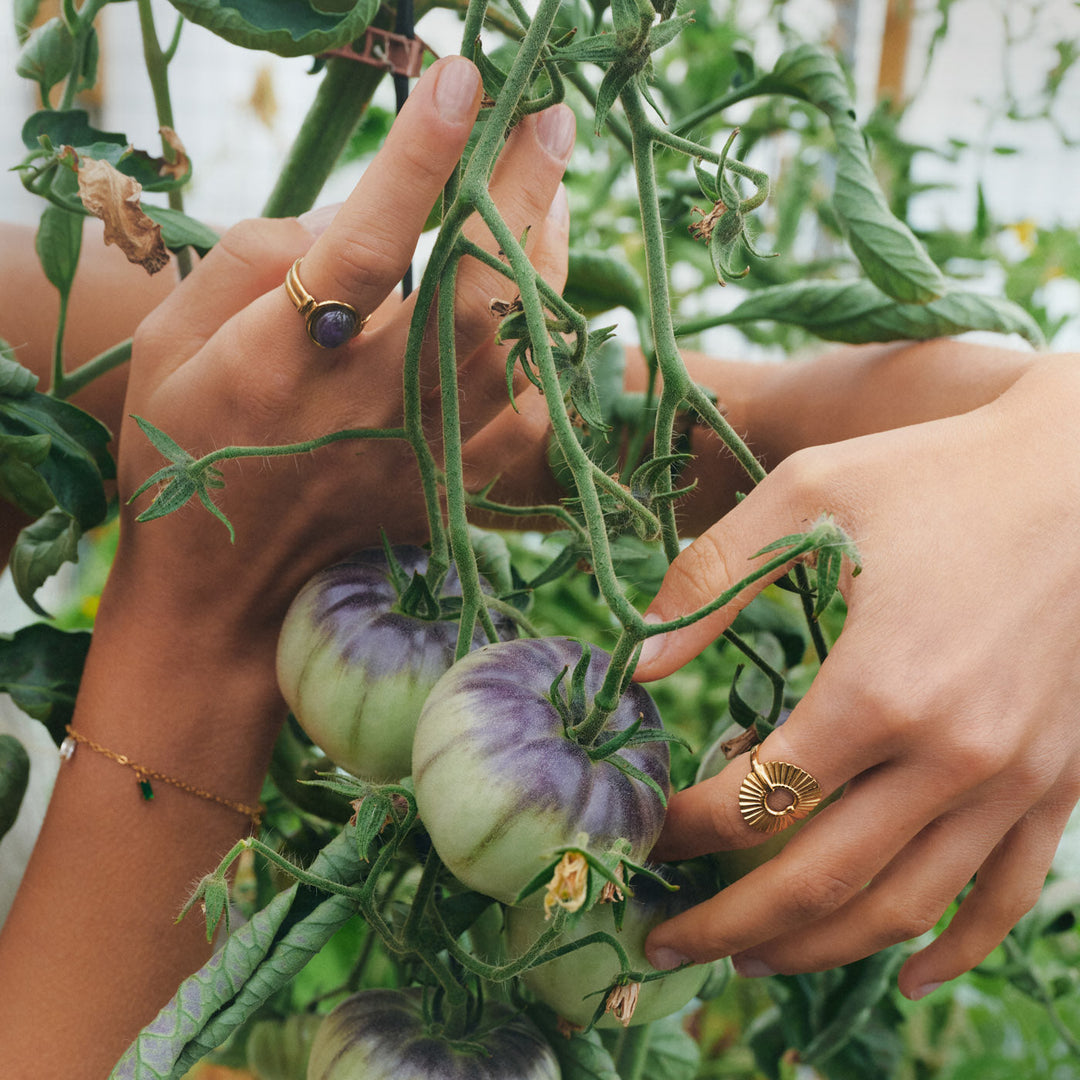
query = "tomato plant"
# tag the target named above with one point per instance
(533, 750)
(384, 1035)
(506, 771)
(355, 667)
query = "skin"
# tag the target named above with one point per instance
(191, 622)
(947, 706)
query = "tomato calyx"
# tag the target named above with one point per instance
(576, 878)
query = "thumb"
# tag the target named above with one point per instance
(721, 557)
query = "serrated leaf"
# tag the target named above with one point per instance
(40, 550)
(889, 252)
(170, 498)
(165, 445)
(58, 242)
(255, 962)
(615, 78)
(857, 312)
(285, 27)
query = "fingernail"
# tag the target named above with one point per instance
(665, 959)
(456, 90)
(559, 210)
(653, 647)
(750, 967)
(922, 991)
(317, 221)
(555, 129)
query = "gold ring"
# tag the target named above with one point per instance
(329, 323)
(776, 793)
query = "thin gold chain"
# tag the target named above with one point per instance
(144, 775)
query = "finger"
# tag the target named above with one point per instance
(1006, 888)
(821, 869)
(364, 253)
(251, 259)
(523, 186)
(906, 900)
(483, 375)
(789, 500)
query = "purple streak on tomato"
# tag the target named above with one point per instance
(355, 672)
(500, 785)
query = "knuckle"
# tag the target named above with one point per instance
(819, 890)
(362, 261)
(904, 919)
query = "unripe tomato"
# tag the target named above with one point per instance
(569, 984)
(500, 784)
(279, 1049)
(355, 672)
(382, 1035)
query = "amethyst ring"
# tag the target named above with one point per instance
(329, 323)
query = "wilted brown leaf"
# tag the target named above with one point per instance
(179, 168)
(110, 195)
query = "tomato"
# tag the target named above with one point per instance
(500, 784)
(382, 1035)
(355, 671)
(279, 1049)
(570, 983)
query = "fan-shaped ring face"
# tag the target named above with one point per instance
(775, 794)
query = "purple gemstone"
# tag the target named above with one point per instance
(332, 327)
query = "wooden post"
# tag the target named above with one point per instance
(894, 51)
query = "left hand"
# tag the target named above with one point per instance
(226, 360)
(948, 708)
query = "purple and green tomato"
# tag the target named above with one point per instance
(355, 671)
(383, 1035)
(500, 784)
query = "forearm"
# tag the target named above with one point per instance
(95, 914)
(843, 393)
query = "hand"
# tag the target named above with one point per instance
(226, 360)
(947, 709)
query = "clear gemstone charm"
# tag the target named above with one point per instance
(67, 749)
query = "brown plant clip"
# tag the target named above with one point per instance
(396, 53)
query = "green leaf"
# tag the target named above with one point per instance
(40, 667)
(171, 497)
(165, 445)
(597, 49)
(598, 282)
(40, 550)
(180, 231)
(888, 250)
(615, 78)
(14, 776)
(71, 127)
(58, 241)
(582, 1056)
(255, 963)
(829, 563)
(856, 312)
(78, 459)
(47, 56)
(15, 380)
(285, 27)
(20, 482)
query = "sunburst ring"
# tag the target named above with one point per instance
(798, 791)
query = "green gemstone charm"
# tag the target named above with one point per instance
(146, 789)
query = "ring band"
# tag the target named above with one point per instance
(329, 323)
(783, 783)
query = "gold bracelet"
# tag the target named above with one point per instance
(143, 776)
